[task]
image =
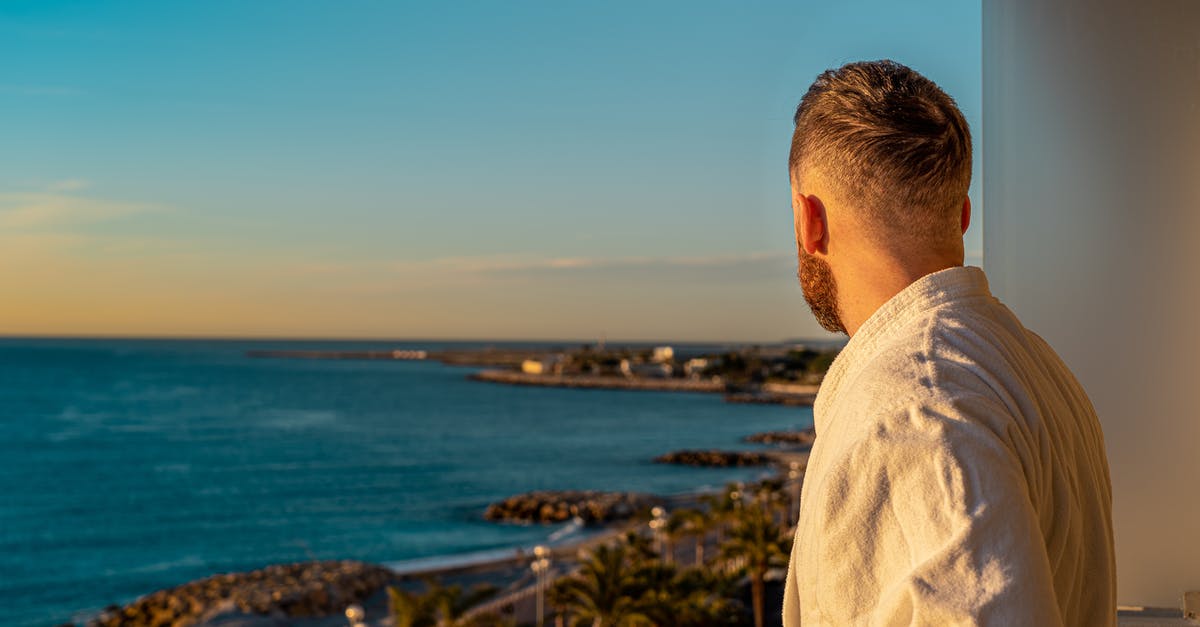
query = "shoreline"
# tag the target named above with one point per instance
(596, 382)
(498, 565)
(766, 394)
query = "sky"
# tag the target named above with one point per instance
(469, 170)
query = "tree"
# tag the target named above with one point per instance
(756, 538)
(820, 364)
(723, 508)
(604, 592)
(771, 496)
(695, 523)
(407, 609)
(639, 547)
(441, 606)
(691, 597)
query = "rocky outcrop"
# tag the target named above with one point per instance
(716, 459)
(560, 506)
(767, 398)
(287, 590)
(803, 437)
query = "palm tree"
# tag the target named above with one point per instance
(691, 597)
(723, 508)
(640, 548)
(756, 538)
(772, 497)
(407, 609)
(604, 592)
(440, 606)
(695, 523)
(674, 529)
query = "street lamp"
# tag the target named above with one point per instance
(541, 568)
(356, 615)
(794, 476)
(658, 523)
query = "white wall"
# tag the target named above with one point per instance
(1091, 210)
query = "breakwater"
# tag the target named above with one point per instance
(590, 506)
(716, 459)
(288, 590)
(804, 437)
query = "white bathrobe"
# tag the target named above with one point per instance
(958, 475)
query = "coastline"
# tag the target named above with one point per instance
(504, 568)
(597, 382)
(363, 440)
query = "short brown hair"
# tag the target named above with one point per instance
(891, 141)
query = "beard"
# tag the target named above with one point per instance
(820, 290)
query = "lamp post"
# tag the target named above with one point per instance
(355, 615)
(541, 567)
(658, 522)
(794, 476)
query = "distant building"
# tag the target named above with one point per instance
(695, 367)
(647, 371)
(662, 354)
(545, 365)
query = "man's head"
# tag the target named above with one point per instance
(880, 165)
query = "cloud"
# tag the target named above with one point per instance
(523, 264)
(69, 185)
(448, 274)
(44, 210)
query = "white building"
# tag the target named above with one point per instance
(545, 365)
(695, 367)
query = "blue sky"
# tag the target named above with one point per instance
(470, 170)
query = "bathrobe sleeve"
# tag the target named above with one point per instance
(927, 519)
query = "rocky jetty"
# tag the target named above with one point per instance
(560, 506)
(804, 437)
(717, 459)
(769, 398)
(288, 590)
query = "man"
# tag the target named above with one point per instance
(958, 475)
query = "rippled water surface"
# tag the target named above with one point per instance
(132, 465)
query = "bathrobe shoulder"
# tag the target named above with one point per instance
(936, 475)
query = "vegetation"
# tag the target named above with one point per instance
(628, 584)
(757, 540)
(441, 606)
(747, 366)
(620, 586)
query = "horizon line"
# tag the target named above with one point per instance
(323, 338)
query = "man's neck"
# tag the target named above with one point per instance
(864, 287)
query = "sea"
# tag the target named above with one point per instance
(129, 466)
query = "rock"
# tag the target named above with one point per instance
(559, 506)
(717, 459)
(804, 437)
(283, 590)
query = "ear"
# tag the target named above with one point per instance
(966, 214)
(812, 224)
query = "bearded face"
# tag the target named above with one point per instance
(820, 290)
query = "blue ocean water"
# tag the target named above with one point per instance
(127, 466)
